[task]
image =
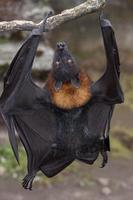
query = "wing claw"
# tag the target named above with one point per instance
(103, 21)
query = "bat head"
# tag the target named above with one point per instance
(65, 69)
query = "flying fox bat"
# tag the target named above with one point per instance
(69, 119)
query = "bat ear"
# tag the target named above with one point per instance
(58, 85)
(75, 82)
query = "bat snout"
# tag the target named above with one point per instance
(61, 45)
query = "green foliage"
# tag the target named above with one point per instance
(3, 40)
(122, 142)
(119, 150)
(127, 82)
(8, 161)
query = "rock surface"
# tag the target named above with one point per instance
(42, 62)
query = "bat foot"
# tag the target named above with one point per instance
(105, 158)
(28, 181)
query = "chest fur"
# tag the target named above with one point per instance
(68, 96)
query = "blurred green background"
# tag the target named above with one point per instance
(84, 40)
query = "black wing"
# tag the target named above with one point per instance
(106, 93)
(108, 86)
(20, 93)
(26, 109)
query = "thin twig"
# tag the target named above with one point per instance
(88, 7)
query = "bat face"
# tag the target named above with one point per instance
(65, 69)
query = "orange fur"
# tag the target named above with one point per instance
(68, 96)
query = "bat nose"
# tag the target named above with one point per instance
(61, 45)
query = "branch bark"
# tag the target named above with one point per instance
(88, 7)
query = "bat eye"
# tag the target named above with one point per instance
(70, 61)
(57, 63)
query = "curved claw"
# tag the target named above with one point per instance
(105, 159)
(42, 28)
(103, 21)
(28, 181)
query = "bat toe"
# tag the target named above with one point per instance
(28, 181)
(105, 158)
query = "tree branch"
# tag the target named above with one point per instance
(89, 6)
